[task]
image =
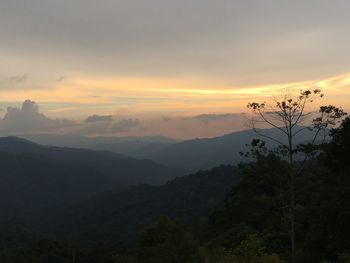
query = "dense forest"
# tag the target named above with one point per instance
(251, 226)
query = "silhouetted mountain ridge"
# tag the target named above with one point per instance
(137, 147)
(195, 154)
(210, 152)
(19, 145)
(38, 177)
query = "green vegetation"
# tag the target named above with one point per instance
(250, 225)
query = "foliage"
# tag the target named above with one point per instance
(287, 115)
(251, 227)
(166, 241)
(250, 250)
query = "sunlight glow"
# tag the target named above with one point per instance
(190, 96)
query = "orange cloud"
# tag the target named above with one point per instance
(186, 96)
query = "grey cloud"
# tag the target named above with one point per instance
(124, 125)
(166, 119)
(15, 79)
(214, 117)
(99, 118)
(204, 37)
(60, 79)
(29, 119)
(94, 128)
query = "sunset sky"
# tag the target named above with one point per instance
(151, 61)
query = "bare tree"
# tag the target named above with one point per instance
(290, 116)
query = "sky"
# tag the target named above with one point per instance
(159, 66)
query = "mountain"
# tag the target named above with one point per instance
(18, 145)
(118, 215)
(35, 178)
(56, 190)
(191, 155)
(121, 170)
(206, 153)
(30, 183)
(137, 147)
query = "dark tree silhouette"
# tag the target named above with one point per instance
(290, 116)
(166, 241)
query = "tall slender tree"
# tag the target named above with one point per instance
(291, 115)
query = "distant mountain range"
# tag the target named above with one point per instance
(192, 155)
(62, 191)
(38, 177)
(106, 195)
(207, 153)
(137, 147)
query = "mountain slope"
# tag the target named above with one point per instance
(118, 215)
(30, 183)
(137, 147)
(207, 153)
(121, 170)
(191, 155)
(18, 145)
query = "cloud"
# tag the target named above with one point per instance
(189, 127)
(60, 79)
(99, 118)
(245, 42)
(124, 125)
(103, 124)
(166, 119)
(214, 117)
(29, 119)
(16, 79)
(94, 128)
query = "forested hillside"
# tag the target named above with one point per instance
(252, 226)
(120, 170)
(192, 155)
(119, 215)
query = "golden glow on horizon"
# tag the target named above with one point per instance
(171, 95)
